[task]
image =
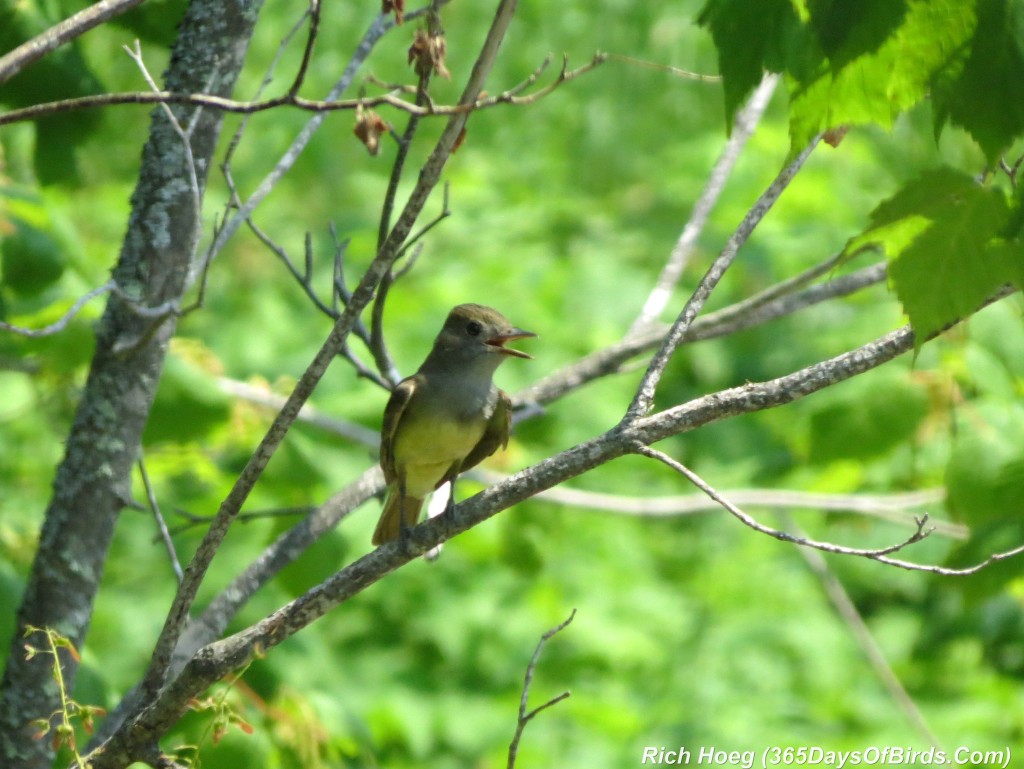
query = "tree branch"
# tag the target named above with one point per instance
(746, 120)
(224, 104)
(165, 534)
(524, 716)
(644, 399)
(61, 323)
(893, 508)
(775, 302)
(92, 484)
(920, 533)
(12, 62)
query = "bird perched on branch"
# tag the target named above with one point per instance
(447, 417)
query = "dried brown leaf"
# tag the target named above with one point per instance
(398, 6)
(368, 129)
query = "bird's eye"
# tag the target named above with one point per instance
(473, 328)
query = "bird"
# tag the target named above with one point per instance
(447, 417)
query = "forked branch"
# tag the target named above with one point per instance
(526, 716)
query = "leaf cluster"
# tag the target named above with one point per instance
(867, 62)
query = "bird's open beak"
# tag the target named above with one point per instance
(499, 341)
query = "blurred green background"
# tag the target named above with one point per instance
(691, 631)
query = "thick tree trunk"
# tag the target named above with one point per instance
(93, 480)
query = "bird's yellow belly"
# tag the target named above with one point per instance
(426, 449)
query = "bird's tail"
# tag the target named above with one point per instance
(396, 509)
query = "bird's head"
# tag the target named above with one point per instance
(473, 331)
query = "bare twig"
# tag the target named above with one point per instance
(882, 555)
(685, 73)
(262, 396)
(268, 78)
(165, 534)
(378, 346)
(225, 104)
(746, 121)
(12, 62)
(756, 310)
(919, 533)
(946, 571)
(645, 392)
(191, 520)
(886, 507)
(183, 133)
(244, 210)
(524, 716)
(307, 53)
(304, 278)
(61, 323)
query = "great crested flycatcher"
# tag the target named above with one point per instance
(447, 417)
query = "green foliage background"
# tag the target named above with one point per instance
(691, 630)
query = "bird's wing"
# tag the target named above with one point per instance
(399, 399)
(495, 434)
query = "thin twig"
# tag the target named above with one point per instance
(920, 532)
(165, 533)
(291, 155)
(307, 53)
(184, 134)
(886, 507)
(191, 520)
(378, 345)
(524, 716)
(882, 555)
(61, 323)
(268, 78)
(746, 121)
(644, 399)
(748, 313)
(225, 104)
(415, 237)
(666, 68)
(303, 279)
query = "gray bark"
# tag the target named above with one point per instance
(92, 482)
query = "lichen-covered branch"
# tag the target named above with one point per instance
(92, 484)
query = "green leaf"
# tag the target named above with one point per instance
(880, 66)
(31, 260)
(985, 476)
(984, 92)
(853, 62)
(750, 38)
(61, 74)
(847, 30)
(943, 234)
(985, 489)
(866, 420)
